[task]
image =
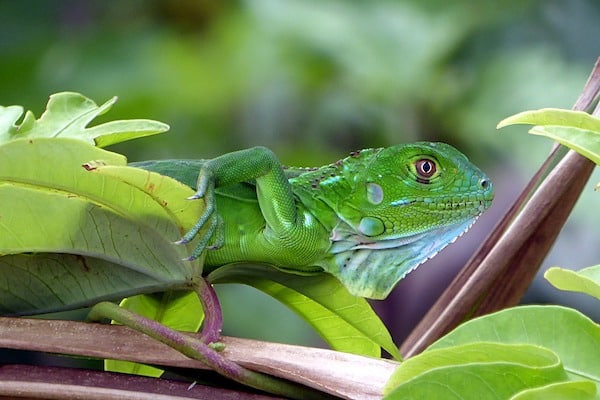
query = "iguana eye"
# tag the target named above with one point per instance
(425, 168)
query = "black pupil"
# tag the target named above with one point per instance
(425, 168)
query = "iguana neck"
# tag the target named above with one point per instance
(323, 190)
(373, 268)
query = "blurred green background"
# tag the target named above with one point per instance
(313, 80)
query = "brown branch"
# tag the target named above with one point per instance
(39, 382)
(344, 375)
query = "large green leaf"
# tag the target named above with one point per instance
(475, 371)
(67, 115)
(585, 281)
(347, 323)
(525, 352)
(45, 282)
(571, 335)
(49, 203)
(169, 193)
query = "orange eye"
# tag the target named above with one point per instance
(425, 168)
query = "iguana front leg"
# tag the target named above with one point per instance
(274, 192)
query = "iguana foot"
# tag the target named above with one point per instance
(214, 230)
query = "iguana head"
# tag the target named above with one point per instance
(400, 206)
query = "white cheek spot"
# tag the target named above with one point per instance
(374, 193)
(308, 218)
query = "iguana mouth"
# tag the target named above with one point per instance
(462, 203)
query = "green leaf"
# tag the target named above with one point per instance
(180, 310)
(576, 130)
(585, 142)
(45, 282)
(571, 335)
(554, 116)
(474, 371)
(169, 193)
(113, 239)
(347, 323)
(585, 281)
(67, 115)
(570, 390)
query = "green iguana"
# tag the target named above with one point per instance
(368, 219)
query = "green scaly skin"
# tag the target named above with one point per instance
(368, 219)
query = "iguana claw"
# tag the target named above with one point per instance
(214, 229)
